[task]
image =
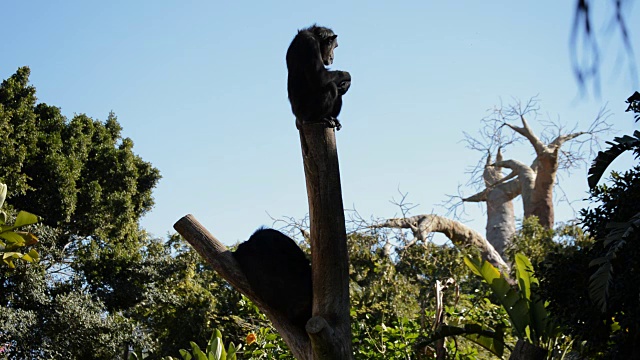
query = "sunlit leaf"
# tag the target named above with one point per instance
(185, 354)
(12, 238)
(24, 218)
(491, 340)
(29, 238)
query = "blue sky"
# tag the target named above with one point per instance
(200, 87)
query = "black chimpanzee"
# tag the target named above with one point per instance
(315, 93)
(278, 272)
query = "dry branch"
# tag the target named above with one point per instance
(222, 261)
(461, 235)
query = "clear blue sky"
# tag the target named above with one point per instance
(200, 87)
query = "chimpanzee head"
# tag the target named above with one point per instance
(328, 41)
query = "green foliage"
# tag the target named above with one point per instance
(393, 341)
(10, 240)
(214, 351)
(393, 298)
(602, 279)
(532, 240)
(80, 173)
(525, 308)
(492, 340)
(80, 300)
(45, 319)
(378, 289)
(265, 343)
(617, 147)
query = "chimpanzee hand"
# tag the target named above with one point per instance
(344, 86)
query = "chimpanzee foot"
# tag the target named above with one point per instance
(330, 121)
(333, 123)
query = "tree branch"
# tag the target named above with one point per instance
(220, 258)
(461, 235)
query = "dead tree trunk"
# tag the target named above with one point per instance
(538, 180)
(329, 328)
(328, 332)
(501, 223)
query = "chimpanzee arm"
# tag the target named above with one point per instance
(342, 79)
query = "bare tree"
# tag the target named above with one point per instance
(537, 181)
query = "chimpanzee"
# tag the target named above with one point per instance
(278, 272)
(315, 93)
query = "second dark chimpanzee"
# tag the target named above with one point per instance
(315, 92)
(278, 272)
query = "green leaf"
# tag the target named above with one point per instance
(524, 271)
(489, 339)
(600, 282)
(34, 255)
(24, 218)
(3, 193)
(605, 158)
(27, 258)
(538, 319)
(218, 349)
(232, 350)
(11, 254)
(12, 238)
(29, 238)
(540, 322)
(195, 349)
(185, 354)
(516, 307)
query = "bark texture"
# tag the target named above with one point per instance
(501, 223)
(460, 234)
(537, 181)
(330, 326)
(327, 335)
(222, 261)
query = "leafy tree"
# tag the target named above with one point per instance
(82, 176)
(10, 240)
(602, 279)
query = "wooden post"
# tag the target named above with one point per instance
(329, 329)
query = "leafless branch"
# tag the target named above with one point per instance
(293, 227)
(491, 137)
(404, 206)
(454, 206)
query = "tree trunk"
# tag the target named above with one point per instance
(501, 223)
(542, 197)
(328, 332)
(329, 329)
(538, 180)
